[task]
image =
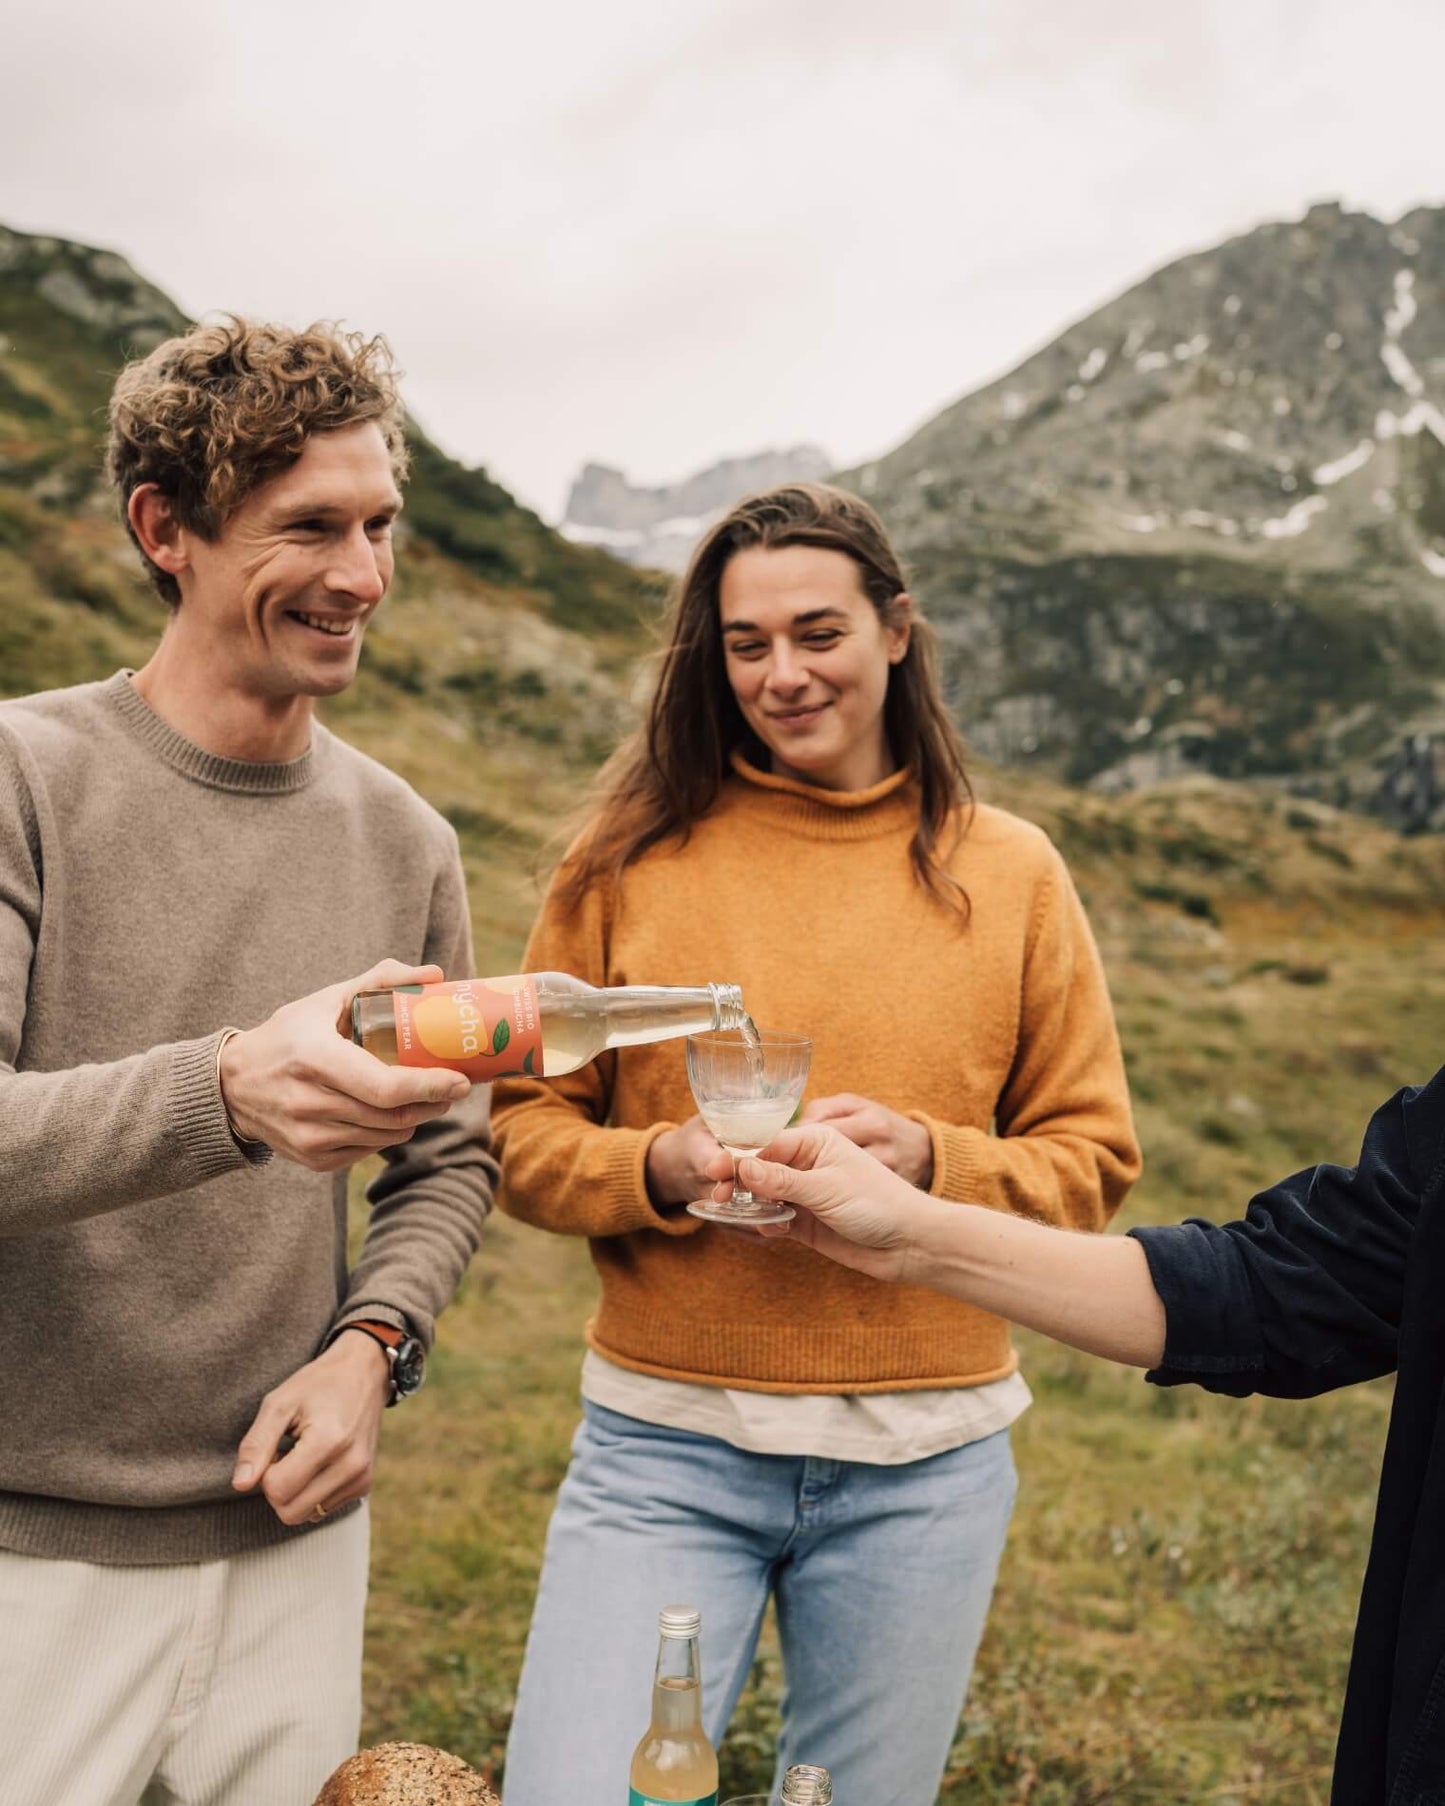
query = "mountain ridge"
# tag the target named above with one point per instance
(659, 525)
(1204, 527)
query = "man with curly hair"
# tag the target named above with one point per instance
(195, 879)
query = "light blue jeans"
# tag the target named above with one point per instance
(882, 1578)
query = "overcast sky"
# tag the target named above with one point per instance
(657, 232)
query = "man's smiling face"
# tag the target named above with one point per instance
(283, 595)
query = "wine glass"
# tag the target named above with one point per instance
(746, 1088)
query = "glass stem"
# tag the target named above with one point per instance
(741, 1194)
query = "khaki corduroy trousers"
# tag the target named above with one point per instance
(219, 1683)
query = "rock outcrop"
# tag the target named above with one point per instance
(659, 527)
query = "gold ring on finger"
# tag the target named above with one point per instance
(317, 1513)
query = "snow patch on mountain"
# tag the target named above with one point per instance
(1405, 307)
(1339, 468)
(1297, 521)
(1397, 317)
(1424, 416)
(614, 539)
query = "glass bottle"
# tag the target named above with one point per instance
(537, 1023)
(674, 1764)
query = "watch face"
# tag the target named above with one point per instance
(408, 1368)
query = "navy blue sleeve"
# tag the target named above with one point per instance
(1304, 1294)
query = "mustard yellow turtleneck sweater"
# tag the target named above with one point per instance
(997, 1033)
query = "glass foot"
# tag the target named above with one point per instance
(743, 1216)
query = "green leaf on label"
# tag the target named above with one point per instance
(501, 1035)
(527, 1064)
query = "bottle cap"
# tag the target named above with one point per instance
(804, 1785)
(679, 1621)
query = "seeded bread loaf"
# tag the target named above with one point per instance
(406, 1774)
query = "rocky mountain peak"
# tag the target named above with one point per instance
(1204, 528)
(95, 288)
(659, 526)
(1288, 385)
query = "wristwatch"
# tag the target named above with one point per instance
(403, 1351)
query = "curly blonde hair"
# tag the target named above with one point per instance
(212, 415)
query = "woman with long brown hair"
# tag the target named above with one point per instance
(758, 1423)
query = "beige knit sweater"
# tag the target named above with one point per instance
(155, 1284)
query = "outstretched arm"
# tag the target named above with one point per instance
(1092, 1291)
(1302, 1295)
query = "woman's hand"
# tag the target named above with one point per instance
(850, 1207)
(677, 1163)
(904, 1146)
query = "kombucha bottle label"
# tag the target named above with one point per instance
(634, 1798)
(487, 1028)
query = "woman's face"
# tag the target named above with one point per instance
(807, 657)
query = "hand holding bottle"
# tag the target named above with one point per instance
(297, 1083)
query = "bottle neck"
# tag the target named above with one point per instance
(677, 1687)
(635, 1014)
(804, 1785)
(727, 1003)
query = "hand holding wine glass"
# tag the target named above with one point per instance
(903, 1145)
(746, 1090)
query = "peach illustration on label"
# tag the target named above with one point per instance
(486, 1030)
(450, 1027)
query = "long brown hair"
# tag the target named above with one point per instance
(668, 774)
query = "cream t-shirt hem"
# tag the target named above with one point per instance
(884, 1428)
